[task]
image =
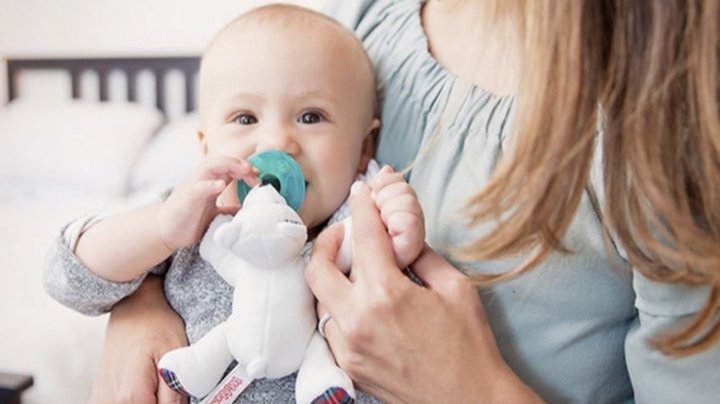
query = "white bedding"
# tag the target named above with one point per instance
(38, 336)
(58, 347)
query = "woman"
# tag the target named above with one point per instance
(594, 239)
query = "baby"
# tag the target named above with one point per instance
(277, 78)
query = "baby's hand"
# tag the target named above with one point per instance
(185, 215)
(401, 213)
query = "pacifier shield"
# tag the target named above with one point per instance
(281, 171)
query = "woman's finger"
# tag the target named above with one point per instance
(434, 270)
(372, 249)
(326, 281)
(324, 318)
(166, 395)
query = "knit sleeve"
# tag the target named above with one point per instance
(70, 282)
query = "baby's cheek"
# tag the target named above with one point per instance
(315, 210)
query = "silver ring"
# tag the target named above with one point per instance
(321, 324)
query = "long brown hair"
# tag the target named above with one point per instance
(647, 71)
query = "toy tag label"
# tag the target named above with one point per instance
(229, 388)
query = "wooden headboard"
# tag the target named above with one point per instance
(103, 67)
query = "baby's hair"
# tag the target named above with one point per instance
(286, 14)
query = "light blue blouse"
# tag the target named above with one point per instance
(576, 327)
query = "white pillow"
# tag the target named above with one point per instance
(169, 158)
(80, 146)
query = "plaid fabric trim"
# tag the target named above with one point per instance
(334, 395)
(172, 381)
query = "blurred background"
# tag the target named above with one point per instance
(114, 28)
(61, 158)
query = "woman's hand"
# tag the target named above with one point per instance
(141, 329)
(399, 341)
(185, 215)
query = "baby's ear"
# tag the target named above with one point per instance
(369, 145)
(202, 139)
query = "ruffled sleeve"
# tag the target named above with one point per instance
(348, 12)
(656, 377)
(663, 308)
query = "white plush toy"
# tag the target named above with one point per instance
(271, 331)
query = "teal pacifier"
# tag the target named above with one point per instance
(282, 172)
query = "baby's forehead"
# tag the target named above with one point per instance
(317, 35)
(294, 23)
(306, 45)
(288, 23)
(282, 17)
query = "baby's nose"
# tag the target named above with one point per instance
(279, 140)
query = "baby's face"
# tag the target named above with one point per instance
(295, 92)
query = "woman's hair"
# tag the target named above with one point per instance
(645, 73)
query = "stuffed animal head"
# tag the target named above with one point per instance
(265, 232)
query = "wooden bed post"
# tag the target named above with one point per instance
(129, 66)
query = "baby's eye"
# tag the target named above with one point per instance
(245, 119)
(311, 118)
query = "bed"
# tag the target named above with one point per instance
(119, 132)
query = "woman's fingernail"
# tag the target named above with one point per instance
(357, 186)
